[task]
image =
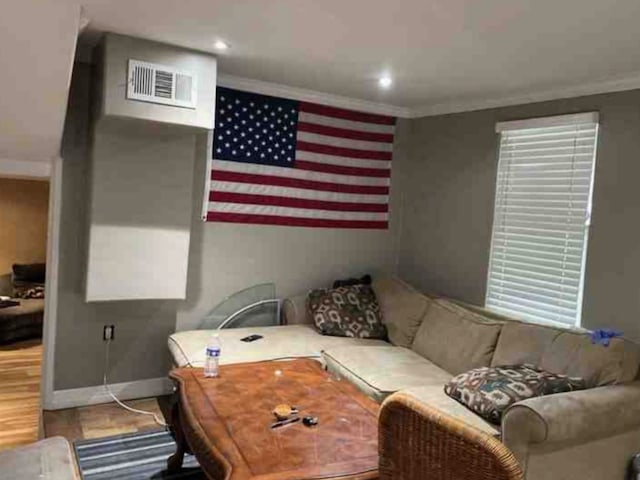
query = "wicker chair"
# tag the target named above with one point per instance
(418, 442)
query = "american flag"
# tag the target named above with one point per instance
(284, 162)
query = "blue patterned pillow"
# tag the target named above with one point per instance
(489, 391)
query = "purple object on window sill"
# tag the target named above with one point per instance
(603, 336)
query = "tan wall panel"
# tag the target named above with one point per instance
(23, 222)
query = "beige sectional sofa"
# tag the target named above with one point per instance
(586, 435)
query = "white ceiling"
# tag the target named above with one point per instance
(445, 55)
(440, 52)
(37, 43)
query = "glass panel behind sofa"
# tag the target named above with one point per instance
(251, 307)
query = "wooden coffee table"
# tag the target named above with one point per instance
(225, 422)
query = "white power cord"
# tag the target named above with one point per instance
(115, 399)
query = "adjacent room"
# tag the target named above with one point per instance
(319, 240)
(24, 204)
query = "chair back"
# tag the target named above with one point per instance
(419, 442)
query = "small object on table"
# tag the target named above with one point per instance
(284, 411)
(282, 423)
(251, 338)
(310, 421)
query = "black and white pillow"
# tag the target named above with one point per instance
(348, 311)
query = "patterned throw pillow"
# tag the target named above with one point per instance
(28, 290)
(489, 391)
(349, 311)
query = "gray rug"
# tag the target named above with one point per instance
(135, 456)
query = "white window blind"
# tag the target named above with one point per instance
(541, 217)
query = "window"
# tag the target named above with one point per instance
(541, 217)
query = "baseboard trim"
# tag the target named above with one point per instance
(81, 397)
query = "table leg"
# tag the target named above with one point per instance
(174, 463)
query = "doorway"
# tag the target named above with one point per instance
(24, 213)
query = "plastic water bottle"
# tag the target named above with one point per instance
(212, 357)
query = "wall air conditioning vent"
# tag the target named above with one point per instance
(150, 82)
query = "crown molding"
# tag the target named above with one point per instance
(278, 90)
(629, 82)
(620, 84)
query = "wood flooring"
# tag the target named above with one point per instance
(103, 420)
(20, 373)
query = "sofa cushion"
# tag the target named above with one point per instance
(281, 342)
(403, 309)
(573, 354)
(349, 311)
(521, 343)
(381, 371)
(434, 396)
(489, 391)
(479, 314)
(454, 339)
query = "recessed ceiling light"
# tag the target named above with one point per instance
(385, 81)
(220, 45)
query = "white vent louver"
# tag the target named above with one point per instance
(150, 82)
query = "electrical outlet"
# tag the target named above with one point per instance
(108, 332)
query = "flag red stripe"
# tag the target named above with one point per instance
(245, 198)
(346, 114)
(292, 221)
(341, 170)
(342, 151)
(345, 133)
(296, 183)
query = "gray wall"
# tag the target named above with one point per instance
(225, 258)
(442, 207)
(140, 212)
(446, 233)
(142, 327)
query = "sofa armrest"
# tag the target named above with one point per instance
(294, 311)
(419, 441)
(578, 417)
